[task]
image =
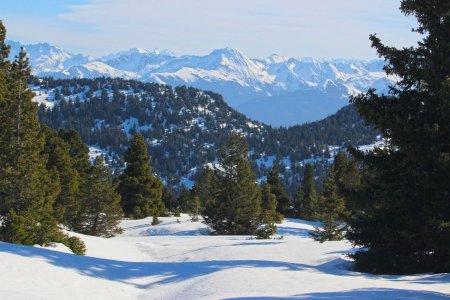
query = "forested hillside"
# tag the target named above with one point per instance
(184, 127)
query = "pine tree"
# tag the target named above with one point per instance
(67, 204)
(141, 191)
(203, 192)
(348, 179)
(402, 223)
(236, 209)
(74, 213)
(306, 198)
(330, 210)
(194, 208)
(269, 214)
(283, 200)
(27, 192)
(101, 204)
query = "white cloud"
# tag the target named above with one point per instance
(324, 28)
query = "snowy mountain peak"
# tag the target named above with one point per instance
(243, 81)
(164, 52)
(275, 59)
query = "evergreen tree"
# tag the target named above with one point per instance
(269, 214)
(27, 192)
(306, 198)
(194, 208)
(402, 223)
(330, 210)
(237, 207)
(205, 187)
(67, 204)
(101, 204)
(348, 179)
(168, 198)
(283, 200)
(141, 191)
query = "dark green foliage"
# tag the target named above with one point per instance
(177, 212)
(183, 199)
(155, 220)
(194, 208)
(166, 118)
(348, 179)
(27, 192)
(67, 204)
(141, 191)
(269, 214)
(283, 200)
(168, 199)
(330, 210)
(306, 198)
(75, 244)
(236, 208)
(205, 188)
(101, 211)
(403, 215)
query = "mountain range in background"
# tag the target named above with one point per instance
(276, 90)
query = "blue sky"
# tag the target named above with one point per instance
(294, 28)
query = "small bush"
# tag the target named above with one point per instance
(75, 244)
(265, 232)
(177, 212)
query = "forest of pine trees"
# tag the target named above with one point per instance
(393, 202)
(47, 180)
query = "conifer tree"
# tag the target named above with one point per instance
(306, 198)
(269, 214)
(101, 204)
(205, 187)
(74, 214)
(403, 216)
(194, 207)
(237, 207)
(67, 204)
(348, 179)
(141, 191)
(330, 210)
(27, 192)
(283, 200)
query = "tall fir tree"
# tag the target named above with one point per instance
(269, 214)
(67, 204)
(402, 223)
(330, 210)
(236, 208)
(140, 190)
(306, 197)
(348, 179)
(283, 200)
(27, 192)
(101, 207)
(205, 187)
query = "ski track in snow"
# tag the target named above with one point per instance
(177, 259)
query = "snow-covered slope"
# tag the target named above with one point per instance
(177, 261)
(252, 86)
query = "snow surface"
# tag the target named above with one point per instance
(178, 260)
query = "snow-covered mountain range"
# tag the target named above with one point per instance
(275, 90)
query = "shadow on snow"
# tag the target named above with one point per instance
(364, 294)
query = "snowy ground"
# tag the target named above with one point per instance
(180, 261)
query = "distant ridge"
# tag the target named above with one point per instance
(276, 90)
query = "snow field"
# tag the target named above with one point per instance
(178, 260)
